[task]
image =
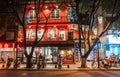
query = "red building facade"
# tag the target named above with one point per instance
(59, 34)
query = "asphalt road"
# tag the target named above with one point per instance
(9, 73)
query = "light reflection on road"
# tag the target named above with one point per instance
(59, 73)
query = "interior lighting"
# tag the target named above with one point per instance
(56, 6)
(0, 45)
(6, 45)
(62, 52)
(69, 52)
(46, 7)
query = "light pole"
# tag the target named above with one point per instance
(98, 53)
(99, 31)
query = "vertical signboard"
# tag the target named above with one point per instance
(100, 25)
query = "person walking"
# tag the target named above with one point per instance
(59, 61)
(112, 59)
(106, 62)
(94, 60)
(40, 61)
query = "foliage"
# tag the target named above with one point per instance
(87, 12)
(109, 4)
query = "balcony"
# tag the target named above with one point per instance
(69, 43)
(60, 20)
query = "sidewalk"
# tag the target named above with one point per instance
(72, 67)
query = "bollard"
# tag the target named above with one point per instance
(59, 66)
(55, 65)
(44, 66)
(3, 66)
(68, 66)
(39, 66)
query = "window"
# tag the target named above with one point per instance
(52, 33)
(71, 15)
(55, 13)
(27, 19)
(70, 35)
(32, 14)
(62, 34)
(30, 34)
(40, 33)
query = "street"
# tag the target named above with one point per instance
(8, 73)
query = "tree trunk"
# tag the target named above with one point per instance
(83, 62)
(29, 62)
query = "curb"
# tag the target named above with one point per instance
(45, 69)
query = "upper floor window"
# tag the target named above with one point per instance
(52, 33)
(55, 13)
(32, 14)
(30, 34)
(70, 35)
(62, 34)
(40, 33)
(71, 15)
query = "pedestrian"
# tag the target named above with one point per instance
(94, 60)
(59, 61)
(112, 59)
(116, 61)
(40, 61)
(106, 62)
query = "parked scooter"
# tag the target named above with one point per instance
(8, 64)
(16, 64)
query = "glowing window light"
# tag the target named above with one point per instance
(69, 52)
(6, 45)
(62, 52)
(0, 45)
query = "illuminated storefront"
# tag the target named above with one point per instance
(51, 54)
(58, 37)
(112, 45)
(7, 50)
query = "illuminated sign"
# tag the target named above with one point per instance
(6, 49)
(6, 45)
(113, 39)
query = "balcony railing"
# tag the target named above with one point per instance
(63, 19)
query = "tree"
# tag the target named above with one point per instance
(87, 12)
(38, 7)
